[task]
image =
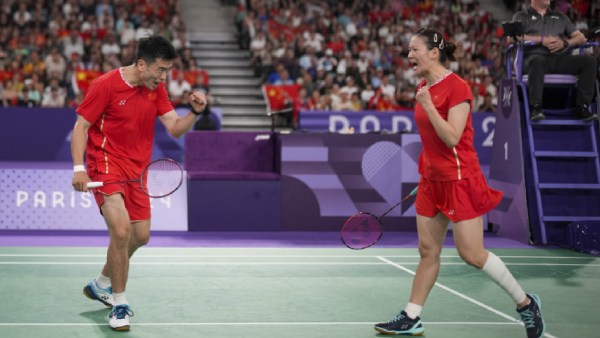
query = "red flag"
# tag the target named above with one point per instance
(85, 77)
(279, 97)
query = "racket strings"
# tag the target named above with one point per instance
(162, 178)
(361, 231)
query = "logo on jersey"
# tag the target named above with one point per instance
(122, 102)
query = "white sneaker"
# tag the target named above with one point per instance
(119, 317)
(94, 292)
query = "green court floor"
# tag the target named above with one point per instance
(289, 293)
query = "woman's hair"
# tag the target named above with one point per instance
(434, 39)
(155, 47)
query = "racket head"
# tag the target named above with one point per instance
(161, 178)
(361, 231)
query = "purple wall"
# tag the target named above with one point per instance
(328, 177)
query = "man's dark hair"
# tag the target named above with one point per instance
(155, 47)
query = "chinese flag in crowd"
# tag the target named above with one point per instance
(85, 78)
(279, 96)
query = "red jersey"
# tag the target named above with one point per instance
(437, 161)
(123, 118)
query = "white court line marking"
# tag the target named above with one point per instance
(461, 295)
(279, 256)
(277, 263)
(251, 324)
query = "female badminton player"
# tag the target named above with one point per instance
(451, 188)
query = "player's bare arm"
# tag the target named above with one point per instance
(78, 140)
(177, 126)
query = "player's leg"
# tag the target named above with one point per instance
(432, 232)
(468, 238)
(120, 230)
(140, 235)
(117, 220)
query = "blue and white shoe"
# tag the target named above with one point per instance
(119, 317)
(94, 292)
(402, 324)
(531, 315)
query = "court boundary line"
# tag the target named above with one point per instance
(251, 324)
(461, 295)
(281, 256)
(275, 263)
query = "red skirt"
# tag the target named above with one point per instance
(458, 200)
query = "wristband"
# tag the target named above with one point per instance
(196, 113)
(542, 40)
(78, 168)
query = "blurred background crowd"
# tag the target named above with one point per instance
(345, 55)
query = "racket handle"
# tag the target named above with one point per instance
(414, 191)
(94, 184)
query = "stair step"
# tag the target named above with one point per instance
(558, 122)
(225, 72)
(570, 218)
(212, 37)
(242, 82)
(239, 91)
(241, 101)
(201, 45)
(246, 121)
(569, 186)
(235, 63)
(243, 111)
(221, 54)
(565, 154)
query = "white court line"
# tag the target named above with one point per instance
(277, 263)
(461, 295)
(251, 324)
(280, 256)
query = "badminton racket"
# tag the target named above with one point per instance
(160, 178)
(364, 229)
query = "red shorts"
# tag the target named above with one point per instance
(136, 202)
(458, 200)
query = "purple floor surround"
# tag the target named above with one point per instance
(280, 239)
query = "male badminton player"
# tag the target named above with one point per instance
(117, 116)
(451, 188)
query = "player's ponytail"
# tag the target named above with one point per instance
(434, 39)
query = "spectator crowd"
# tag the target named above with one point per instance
(50, 50)
(352, 55)
(345, 55)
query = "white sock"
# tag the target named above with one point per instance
(120, 298)
(413, 310)
(103, 281)
(498, 272)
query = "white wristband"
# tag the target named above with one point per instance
(78, 168)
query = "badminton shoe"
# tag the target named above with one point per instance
(401, 325)
(119, 317)
(94, 292)
(531, 315)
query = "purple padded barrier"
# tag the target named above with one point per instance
(231, 155)
(234, 182)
